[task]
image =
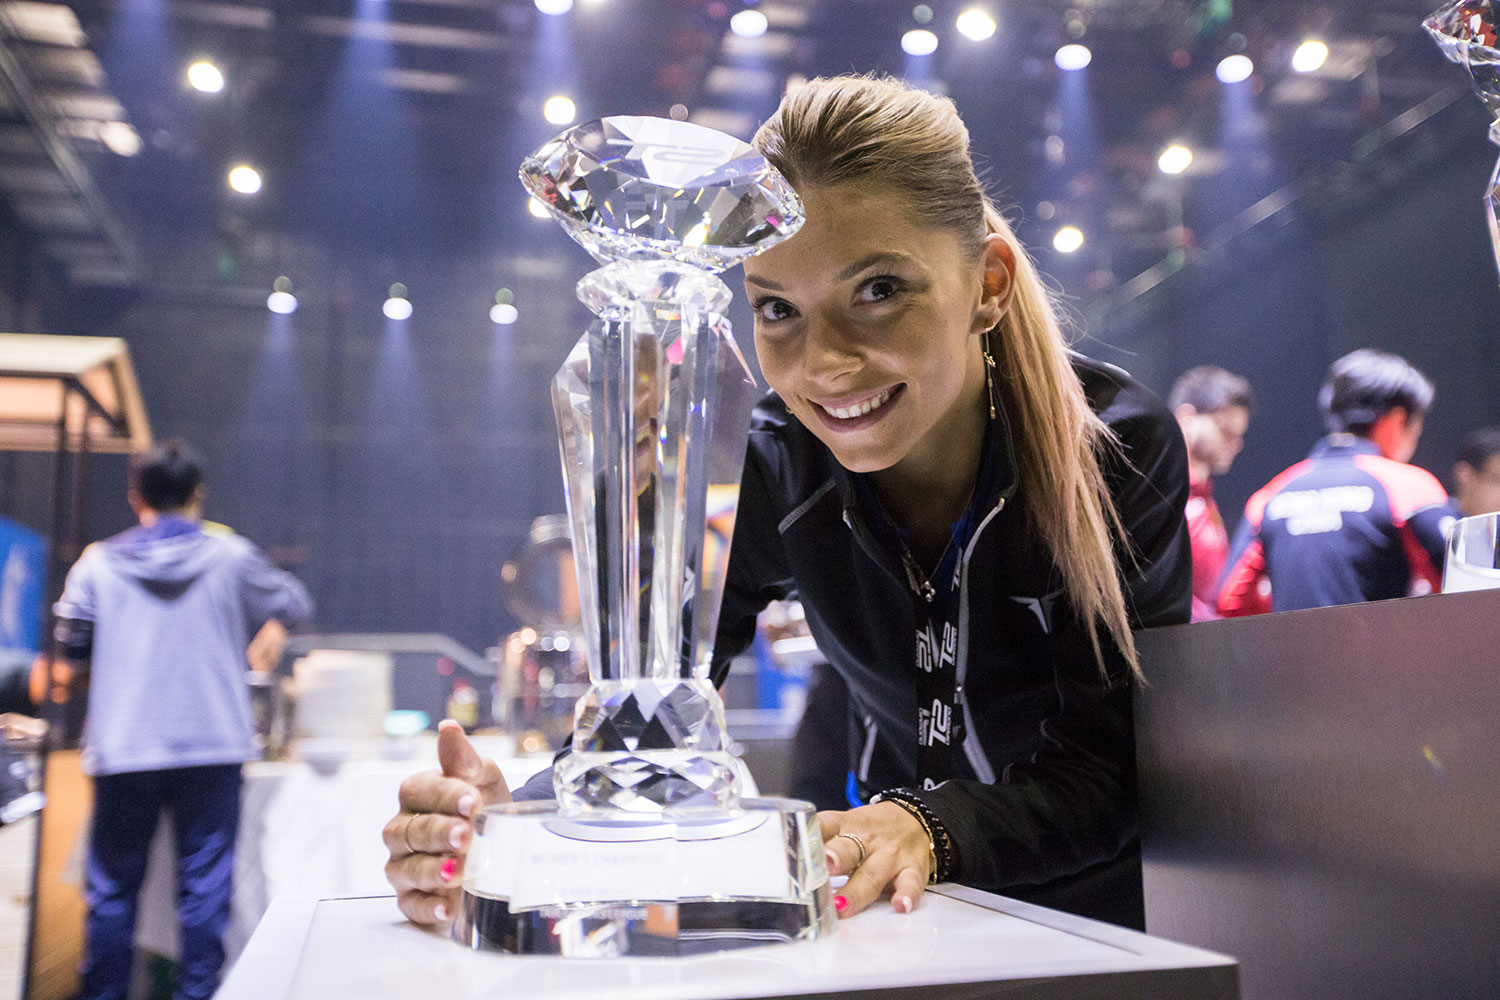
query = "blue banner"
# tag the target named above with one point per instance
(23, 574)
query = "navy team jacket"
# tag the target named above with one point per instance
(1342, 526)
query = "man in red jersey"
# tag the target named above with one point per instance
(1353, 521)
(1212, 407)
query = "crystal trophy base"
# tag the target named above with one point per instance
(540, 881)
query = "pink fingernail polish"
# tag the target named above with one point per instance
(449, 867)
(840, 903)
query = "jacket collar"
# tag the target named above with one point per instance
(1335, 445)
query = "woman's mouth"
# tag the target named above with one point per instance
(854, 413)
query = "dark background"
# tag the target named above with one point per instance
(395, 467)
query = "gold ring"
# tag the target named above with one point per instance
(857, 843)
(406, 835)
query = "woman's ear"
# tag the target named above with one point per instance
(999, 282)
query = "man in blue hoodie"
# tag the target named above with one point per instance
(159, 618)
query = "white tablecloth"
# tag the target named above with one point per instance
(303, 832)
(308, 832)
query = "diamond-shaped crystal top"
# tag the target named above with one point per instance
(1465, 31)
(633, 188)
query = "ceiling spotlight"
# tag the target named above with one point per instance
(1310, 55)
(504, 314)
(919, 42)
(281, 300)
(1235, 68)
(559, 110)
(976, 24)
(1073, 56)
(921, 13)
(1174, 159)
(204, 76)
(120, 138)
(398, 306)
(244, 179)
(554, 6)
(748, 24)
(537, 209)
(1068, 239)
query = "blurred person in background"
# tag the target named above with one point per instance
(1476, 474)
(1353, 521)
(1212, 407)
(156, 621)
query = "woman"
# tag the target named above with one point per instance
(973, 518)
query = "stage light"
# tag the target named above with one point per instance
(1073, 57)
(678, 112)
(748, 24)
(1310, 55)
(554, 6)
(1174, 159)
(921, 13)
(537, 209)
(975, 24)
(245, 179)
(398, 306)
(559, 110)
(919, 42)
(120, 138)
(504, 314)
(204, 76)
(1234, 69)
(1068, 239)
(281, 300)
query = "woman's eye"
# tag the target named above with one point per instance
(771, 310)
(879, 289)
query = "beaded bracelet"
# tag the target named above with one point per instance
(939, 845)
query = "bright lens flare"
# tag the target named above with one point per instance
(504, 314)
(1072, 57)
(537, 209)
(1174, 159)
(205, 77)
(396, 308)
(748, 24)
(560, 110)
(1310, 56)
(919, 42)
(1067, 240)
(554, 6)
(975, 24)
(244, 179)
(1233, 69)
(284, 303)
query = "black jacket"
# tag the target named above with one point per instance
(1049, 798)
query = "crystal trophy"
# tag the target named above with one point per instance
(649, 848)
(1465, 31)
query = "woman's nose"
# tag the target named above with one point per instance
(829, 351)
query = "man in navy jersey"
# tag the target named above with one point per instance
(1353, 521)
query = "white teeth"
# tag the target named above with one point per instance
(860, 409)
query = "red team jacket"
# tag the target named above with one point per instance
(1343, 526)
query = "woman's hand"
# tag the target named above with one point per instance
(896, 856)
(430, 836)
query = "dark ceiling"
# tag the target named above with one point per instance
(382, 124)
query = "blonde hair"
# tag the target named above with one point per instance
(860, 128)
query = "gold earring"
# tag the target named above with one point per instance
(989, 370)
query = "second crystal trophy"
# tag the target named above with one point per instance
(649, 848)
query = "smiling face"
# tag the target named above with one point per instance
(868, 325)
